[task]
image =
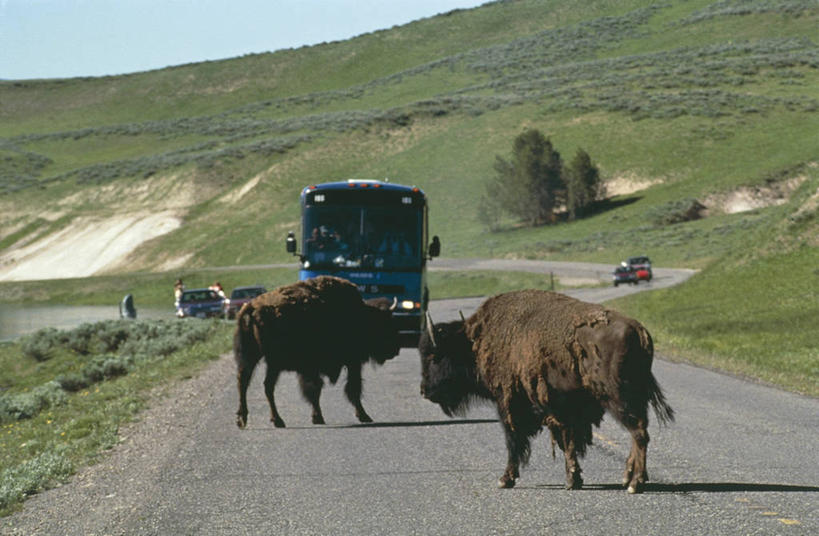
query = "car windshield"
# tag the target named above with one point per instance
(369, 237)
(199, 295)
(246, 293)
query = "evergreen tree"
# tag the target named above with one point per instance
(582, 185)
(528, 186)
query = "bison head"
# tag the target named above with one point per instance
(381, 332)
(448, 371)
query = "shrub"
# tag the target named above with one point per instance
(32, 476)
(111, 334)
(105, 366)
(79, 339)
(40, 344)
(687, 209)
(72, 382)
(115, 347)
(26, 405)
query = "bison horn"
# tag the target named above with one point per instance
(394, 303)
(431, 329)
(462, 315)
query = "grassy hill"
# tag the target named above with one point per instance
(697, 100)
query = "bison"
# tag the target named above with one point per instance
(316, 328)
(546, 359)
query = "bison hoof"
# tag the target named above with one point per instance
(636, 486)
(241, 422)
(277, 422)
(363, 417)
(574, 481)
(506, 482)
(318, 419)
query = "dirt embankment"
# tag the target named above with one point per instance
(86, 247)
(101, 241)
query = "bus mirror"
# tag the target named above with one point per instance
(290, 243)
(435, 247)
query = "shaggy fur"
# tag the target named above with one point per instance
(548, 360)
(316, 328)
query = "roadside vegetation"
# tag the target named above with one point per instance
(65, 394)
(754, 311)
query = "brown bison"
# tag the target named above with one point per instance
(314, 327)
(547, 360)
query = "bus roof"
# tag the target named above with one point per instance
(362, 183)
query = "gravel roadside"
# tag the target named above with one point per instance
(106, 494)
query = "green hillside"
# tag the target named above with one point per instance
(684, 102)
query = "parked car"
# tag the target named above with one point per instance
(199, 303)
(240, 296)
(641, 266)
(624, 274)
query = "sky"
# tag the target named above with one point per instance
(70, 38)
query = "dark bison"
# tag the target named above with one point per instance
(314, 327)
(547, 360)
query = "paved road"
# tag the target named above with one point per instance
(740, 459)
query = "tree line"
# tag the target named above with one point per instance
(535, 187)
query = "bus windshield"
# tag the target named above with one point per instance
(377, 237)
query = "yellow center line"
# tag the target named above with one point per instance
(768, 513)
(604, 439)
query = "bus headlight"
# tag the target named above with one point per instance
(410, 305)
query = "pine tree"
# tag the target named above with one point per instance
(528, 186)
(582, 185)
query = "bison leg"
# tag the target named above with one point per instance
(636, 473)
(515, 444)
(519, 426)
(270, 380)
(243, 377)
(353, 391)
(573, 478)
(566, 439)
(311, 385)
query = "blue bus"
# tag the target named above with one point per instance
(374, 234)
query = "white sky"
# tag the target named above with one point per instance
(68, 38)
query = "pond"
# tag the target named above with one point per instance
(17, 320)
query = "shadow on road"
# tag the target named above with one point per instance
(693, 487)
(726, 487)
(395, 424)
(410, 424)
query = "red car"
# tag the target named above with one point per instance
(641, 266)
(240, 296)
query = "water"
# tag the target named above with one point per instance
(17, 320)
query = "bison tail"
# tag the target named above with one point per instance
(664, 412)
(246, 349)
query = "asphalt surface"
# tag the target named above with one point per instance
(740, 459)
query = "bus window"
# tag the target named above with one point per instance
(352, 237)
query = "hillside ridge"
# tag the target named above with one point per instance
(706, 102)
